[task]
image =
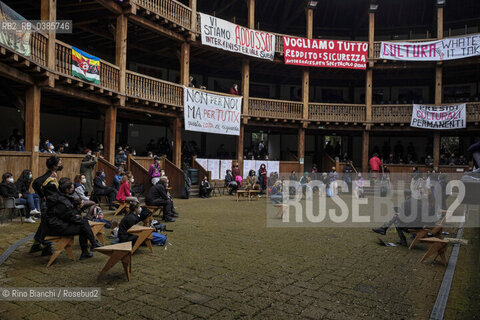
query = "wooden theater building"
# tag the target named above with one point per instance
(358, 101)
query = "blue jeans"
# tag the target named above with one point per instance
(276, 198)
(21, 201)
(32, 200)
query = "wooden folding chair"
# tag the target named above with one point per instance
(144, 235)
(62, 243)
(98, 229)
(437, 247)
(282, 209)
(117, 252)
(121, 206)
(434, 231)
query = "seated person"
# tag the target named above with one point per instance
(159, 197)
(8, 189)
(23, 186)
(251, 182)
(117, 177)
(124, 194)
(80, 192)
(413, 214)
(64, 217)
(205, 188)
(358, 188)
(134, 216)
(100, 188)
(276, 194)
(230, 182)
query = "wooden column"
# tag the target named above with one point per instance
(177, 142)
(121, 50)
(32, 125)
(110, 134)
(306, 71)
(365, 148)
(185, 64)
(240, 142)
(301, 149)
(438, 88)
(251, 14)
(368, 97)
(193, 21)
(245, 84)
(49, 13)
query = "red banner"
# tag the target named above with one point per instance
(325, 53)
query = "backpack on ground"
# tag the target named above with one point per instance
(159, 239)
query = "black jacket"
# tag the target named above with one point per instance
(99, 184)
(22, 186)
(46, 185)
(127, 222)
(158, 191)
(61, 212)
(8, 190)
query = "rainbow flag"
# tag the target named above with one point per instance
(85, 66)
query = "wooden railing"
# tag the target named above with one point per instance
(71, 164)
(473, 111)
(109, 75)
(279, 44)
(145, 162)
(15, 162)
(63, 55)
(38, 44)
(172, 10)
(336, 112)
(392, 113)
(202, 172)
(109, 169)
(269, 108)
(152, 89)
(175, 176)
(139, 173)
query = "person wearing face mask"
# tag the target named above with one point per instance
(120, 158)
(23, 186)
(134, 216)
(8, 189)
(155, 171)
(20, 145)
(45, 186)
(100, 188)
(50, 148)
(124, 194)
(262, 178)
(64, 217)
(80, 193)
(158, 196)
(86, 168)
(236, 171)
(205, 188)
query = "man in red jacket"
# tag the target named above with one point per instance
(375, 165)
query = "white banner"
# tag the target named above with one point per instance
(213, 113)
(438, 50)
(439, 117)
(214, 166)
(228, 36)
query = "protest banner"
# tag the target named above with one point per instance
(213, 113)
(325, 53)
(228, 36)
(85, 66)
(439, 117)
(438, 50)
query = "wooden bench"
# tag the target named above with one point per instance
(120, 208)
(62, 243)
(282, 209)
(144, 235)
(155, 210)
(217, 186)
(117, 252)
(98, 229)
(437, 247)
(248, 193)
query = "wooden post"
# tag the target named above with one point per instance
(365, 147)
(240, 141)
(306, 71)
(121, 50)
(368, 96)
(32, 125)
(438, 89)
(193, 21)
(371, 35)
(109, 134)
(49, 13)
(185, 64)
(301, 149)
(251, 13)
(177, 142)
(245, 84)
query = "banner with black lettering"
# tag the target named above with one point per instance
(213, 113)
(228, 36)
(439, 117)
(438, 50)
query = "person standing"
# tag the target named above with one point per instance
(155, 171)
(375, 165)
(86, 168)
(262, 178)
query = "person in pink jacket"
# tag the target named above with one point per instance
(155, 172)
(123, 194)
